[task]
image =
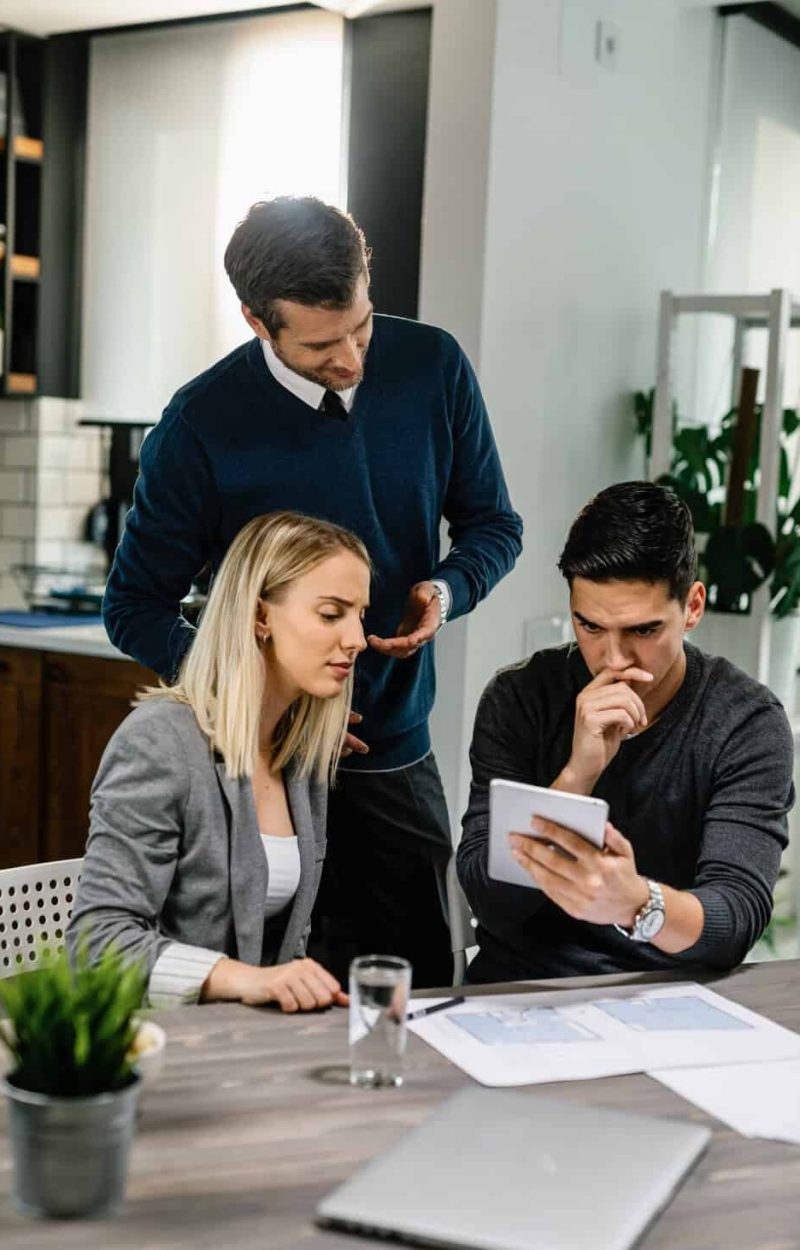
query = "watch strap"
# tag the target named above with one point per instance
(443, 594)
(655, 902)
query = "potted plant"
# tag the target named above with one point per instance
(716, 472)
(72, 1088)
(740, 555)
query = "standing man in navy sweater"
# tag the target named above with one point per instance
(378, 424)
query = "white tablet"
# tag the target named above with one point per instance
(512, 806)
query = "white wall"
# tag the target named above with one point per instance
(755, 242)
(596, 190)
(187, 128)
(457, 159)
(452, 272)
(758, 217)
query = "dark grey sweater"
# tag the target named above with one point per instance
(703, 796)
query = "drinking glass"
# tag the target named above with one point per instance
(379, 989)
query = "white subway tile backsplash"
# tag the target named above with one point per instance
(10, 593)
(63, 523)
(18, 451)
(53, 416)
(16, 486)
(12, 551)
(51, 487)
(84, 486)
(54, 452)
(16, 417)
(51, 473)
(88, 451)
(68, 553)
(17, 520)
(86, 556)
(49, 551)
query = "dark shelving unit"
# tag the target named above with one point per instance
(23, 154)
(42, 141)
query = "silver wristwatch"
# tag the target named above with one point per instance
(649, 920)
(444, 600)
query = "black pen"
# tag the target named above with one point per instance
(428, 1011)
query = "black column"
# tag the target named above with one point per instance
(66, 67)
(387, 91)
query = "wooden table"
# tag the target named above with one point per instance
(251, 1123)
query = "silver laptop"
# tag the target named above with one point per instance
(517, 1170)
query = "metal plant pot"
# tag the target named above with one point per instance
(70, 1154)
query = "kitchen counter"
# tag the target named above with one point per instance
(75, 639)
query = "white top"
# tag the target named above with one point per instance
(181, 970)
(283, 862)
(310, 392)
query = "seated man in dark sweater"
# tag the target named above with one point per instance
(693, 757)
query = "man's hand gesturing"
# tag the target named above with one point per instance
(421, 620)
(605, 712)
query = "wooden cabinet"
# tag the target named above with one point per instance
(57, 712)
(20, 739)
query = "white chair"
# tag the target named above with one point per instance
(462, 923)
(35, 906)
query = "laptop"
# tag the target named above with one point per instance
(518, 1170)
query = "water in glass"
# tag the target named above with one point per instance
(379, 987)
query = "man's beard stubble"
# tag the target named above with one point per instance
(318, 376)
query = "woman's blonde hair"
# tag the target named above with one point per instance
(222, 676)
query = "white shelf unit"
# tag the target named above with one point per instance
(777, 313)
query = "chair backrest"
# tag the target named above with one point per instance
(462, 924)
(35, 906)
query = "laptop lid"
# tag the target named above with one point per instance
(517, 1170)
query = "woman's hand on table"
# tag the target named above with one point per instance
(300, 985)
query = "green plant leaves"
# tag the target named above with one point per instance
(785, 587)
(698, 461)
(73, 1025)
(735, 566)
(738, 560)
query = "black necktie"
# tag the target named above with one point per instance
(332, 406)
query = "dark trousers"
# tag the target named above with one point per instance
(382, 889)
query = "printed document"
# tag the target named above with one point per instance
(575, 1035)
(755, 1099)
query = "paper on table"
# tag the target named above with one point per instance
(756, 1099)
(575, 1035)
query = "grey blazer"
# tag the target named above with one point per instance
(174, 853)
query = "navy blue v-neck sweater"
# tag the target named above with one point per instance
(234, 444)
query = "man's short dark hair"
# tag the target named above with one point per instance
(297, 249)
(634, 531)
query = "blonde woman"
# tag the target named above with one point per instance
(207, 830)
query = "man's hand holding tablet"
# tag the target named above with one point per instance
(597, 884)
(513, 806)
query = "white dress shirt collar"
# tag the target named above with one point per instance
(310, 393)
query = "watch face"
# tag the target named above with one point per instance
(652, 923)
